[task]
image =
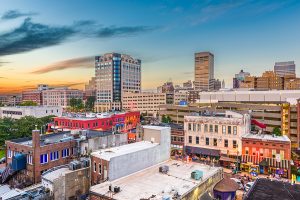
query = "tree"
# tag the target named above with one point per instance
(277, 131)
(76, 104)
(90, 103)
(28, 103)
(165, 119)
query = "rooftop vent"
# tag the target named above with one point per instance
(164, 169)
(197, 174)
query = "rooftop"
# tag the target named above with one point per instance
(107, 154)
(159, 128)
(151, 183)
(264, 189)
(266, 137)
(51, 176)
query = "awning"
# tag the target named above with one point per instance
(272, 162)
(202, 151)
(227, 159)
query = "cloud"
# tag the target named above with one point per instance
(83, 62)
(122, 31)
(68, 84)
(13, 14)
(30, 36)
(1, 77)
(3, 62)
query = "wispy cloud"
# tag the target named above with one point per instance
(30, 35)
(3, 63)
(83, 62)
(13, 14)
(1, 77)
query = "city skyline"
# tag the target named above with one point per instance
(37, 47)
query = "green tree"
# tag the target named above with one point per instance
(277, 131)
(90, 103)
(28, 103)
(76, 104)
(165, 119)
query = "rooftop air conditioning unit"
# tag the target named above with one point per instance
(117, 189)
(164, 169)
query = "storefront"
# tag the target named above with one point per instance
(202, 153)
(228, 162)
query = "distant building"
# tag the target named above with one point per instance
(34, 111)
(115, 73)
(35, 95)
(10, 100)
(90, 88)
(216, 134)
(204, 71)
(266, 154)
(188, 84)
(60, 96)
(171, 179)
(68, 181)
(117, 162)
(240, 77)
(283, 69)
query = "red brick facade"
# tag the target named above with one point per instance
(33, 95)
(99, 170)
(35, 169)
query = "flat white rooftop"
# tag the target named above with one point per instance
(159, 128)
(265, 137)
(51, 176)
(148, 182)
(107, 154)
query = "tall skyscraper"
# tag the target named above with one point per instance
(285, 69)
(204, 71)
(116, 73)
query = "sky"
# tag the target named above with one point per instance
(55, 41)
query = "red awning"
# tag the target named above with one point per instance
(257, 123)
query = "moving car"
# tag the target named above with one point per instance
(248, 186)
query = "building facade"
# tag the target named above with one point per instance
(204, 71)
(116, 73)
(34, 111)
(283, 69)
(60, 96)
(266, 154)
(42, 152)
(33, 95)
(216, 135)
(239, 78)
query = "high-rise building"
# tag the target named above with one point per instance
(283, 69)
(238, 78)
(115, 73)
(204, 70)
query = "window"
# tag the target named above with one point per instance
(215, 142)
(207, 141)
(54, 155)
(194, 127)
(190, 139)
(197, 140)
(189, 126)
(225, 143)
(261, 152)
(9, 153)
(95, 167)
(281, 154)
(229, 129)
(211, 128)
(274, 153)
(29, 159)
(216, 128)
(224, 129)
(100, 169)
(234, 130)
(234, 144)
(205, 128)
(247, 150)
(199, 127)
(65, 153)
(43, 158)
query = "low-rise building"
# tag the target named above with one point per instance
(168, 180)
(117, 162)
(105, 121)
(68, 181)
(216, 135)
(33, 95)
(60, 96)
(266, 154)
(18, 112)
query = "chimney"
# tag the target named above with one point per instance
(36, 137)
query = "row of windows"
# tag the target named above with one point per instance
(212, 128)
(214, 141)
(54, 155)
(264, 152)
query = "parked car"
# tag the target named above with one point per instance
(2, 160)
(238, 181)
(248, 186)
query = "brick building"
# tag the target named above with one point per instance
(33, 95)
(42, 152)
(266, 154)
